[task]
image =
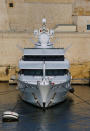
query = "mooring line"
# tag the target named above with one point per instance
(7, 92)
(81, 99)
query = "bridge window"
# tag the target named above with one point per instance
(32, 72)
(39, 72)
(56, 72)
(43, 58)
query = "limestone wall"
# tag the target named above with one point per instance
(81, 7)
(50, 1)
(25, 16)
(81, 22)
(4, 22)
(65, 28)
(18, 21)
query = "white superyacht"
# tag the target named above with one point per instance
(44, 77)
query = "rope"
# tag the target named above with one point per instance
(7, 92)
(81, 99)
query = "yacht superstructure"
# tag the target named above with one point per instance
(44, 77)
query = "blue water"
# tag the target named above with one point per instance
(72, 115)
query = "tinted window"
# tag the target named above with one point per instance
(35, 72)
(57, 72)
(39, 72)
(43, 58)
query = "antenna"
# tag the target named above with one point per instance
(44, 21)
(32, 41)
(54, 41)
(20, 48)
(68, 47)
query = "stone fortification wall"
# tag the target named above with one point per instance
(21, 15)
(4, 21)
(82, 22)
(81, 7)
(18, 18)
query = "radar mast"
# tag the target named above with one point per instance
(44, 35)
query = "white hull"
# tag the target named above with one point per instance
(43, 95)
(42, 66)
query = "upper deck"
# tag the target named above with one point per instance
(44, 51)
(48, 64)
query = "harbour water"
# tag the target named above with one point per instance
(71, 115)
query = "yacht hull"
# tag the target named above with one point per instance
(43, 95)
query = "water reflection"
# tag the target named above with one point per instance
(73, 114)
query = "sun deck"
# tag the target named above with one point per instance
(49, 51)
